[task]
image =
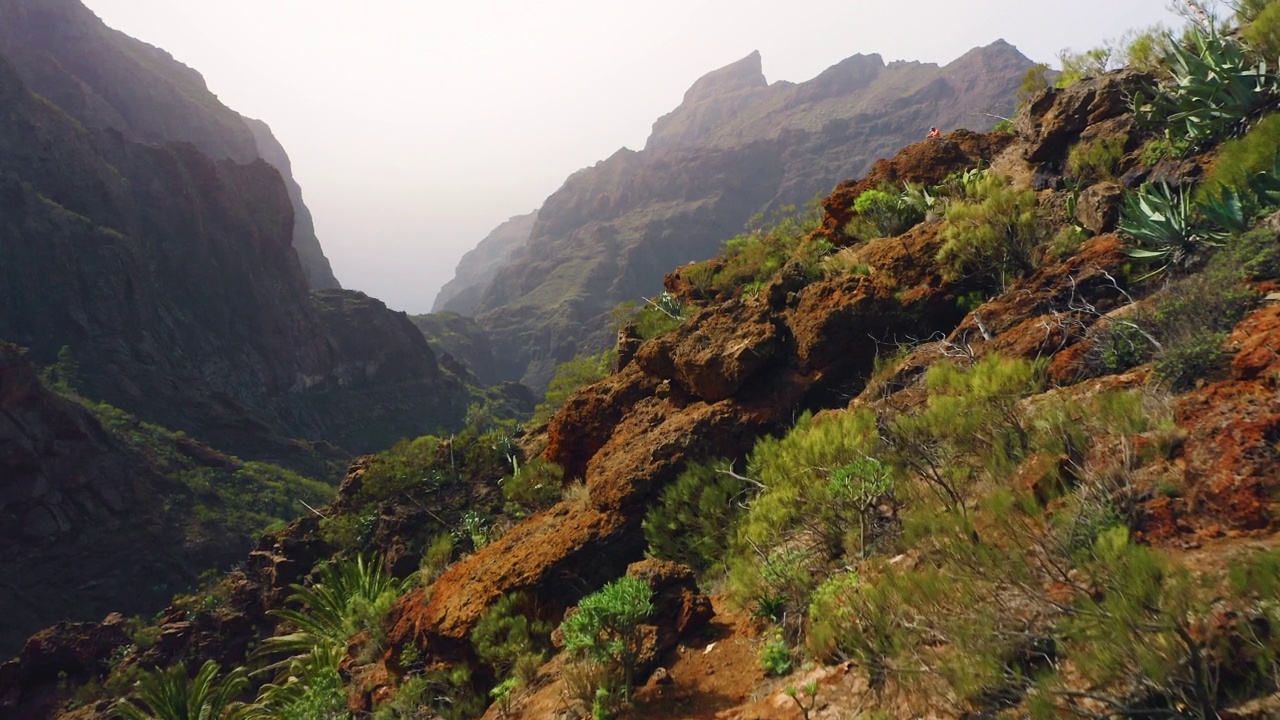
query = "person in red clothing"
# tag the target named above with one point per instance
(933, 133)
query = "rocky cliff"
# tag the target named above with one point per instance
(171, 276)
(735, 147)
(480, 264)
(106, 79)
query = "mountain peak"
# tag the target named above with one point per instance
(712, 99)
(745, 74)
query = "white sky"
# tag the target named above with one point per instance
(416, 127)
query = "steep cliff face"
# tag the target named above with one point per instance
(314, 264)
(172, 278)
(481, 263)
(97, 510)
(735, 147)
(106, 79)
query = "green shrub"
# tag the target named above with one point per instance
(1095, 160)
(1142, 626)
(1137, 49)
(570, 377)
(1262, 31)
(883, 212)
(832, 617)
(1034, 81)
(508, 631)
(1159, 148)
(968, 429)
(436, 558)
(407, 463)
(690, 522)
(993, 233)
(656, 316)
(534, 485)
(775, 657)
(605, 629)
(1241, 158)
(758, 253)
(446, 691)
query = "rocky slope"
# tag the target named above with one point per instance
(461, 339)
(481, 263)
(735, 147)
(106, 79)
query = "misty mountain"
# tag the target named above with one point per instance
(736, 146)
(108, 80)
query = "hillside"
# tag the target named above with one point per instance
(735, 147)
(104, 513)
(992, 434)
(106, 79)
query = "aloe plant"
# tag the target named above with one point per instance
(1214, 89)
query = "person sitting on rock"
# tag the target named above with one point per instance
(933, 133)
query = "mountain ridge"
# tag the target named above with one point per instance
(735, 147)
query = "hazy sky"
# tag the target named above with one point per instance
(416, 127)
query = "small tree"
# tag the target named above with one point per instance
(606, 627)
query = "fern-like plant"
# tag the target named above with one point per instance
(347, 597)
(173, 695)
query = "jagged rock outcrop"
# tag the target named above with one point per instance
(735, 147)
(171, 276)
(713, 99)
(106, 79)
(481, 263)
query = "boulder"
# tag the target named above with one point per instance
(1098, 207)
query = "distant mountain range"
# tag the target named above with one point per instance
(735, 147)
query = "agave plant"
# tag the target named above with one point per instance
(173, 695)
(1214, 89)
(1234, 209)
(1162, 219)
